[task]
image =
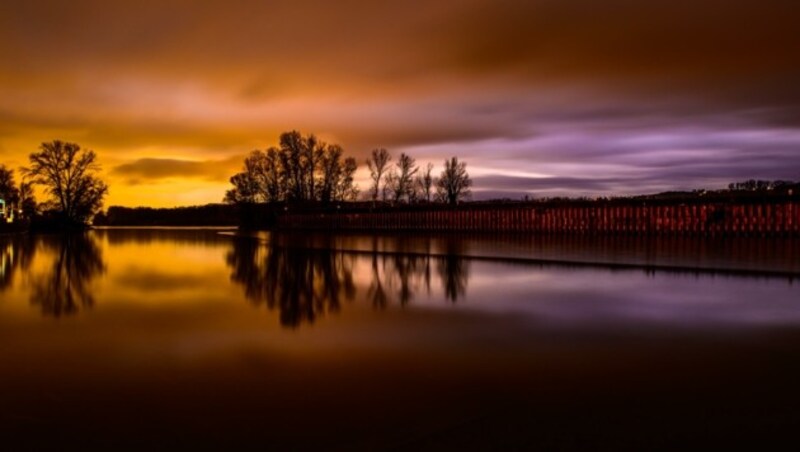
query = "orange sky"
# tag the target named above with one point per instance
(540, 97)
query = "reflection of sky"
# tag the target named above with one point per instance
(188, 275)
(6, 258)
(172, 341)
(540, 97)
(171, 317)
(576, 299)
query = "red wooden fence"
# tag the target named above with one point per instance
(781, 219)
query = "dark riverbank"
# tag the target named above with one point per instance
(12, 228)
(748, 215)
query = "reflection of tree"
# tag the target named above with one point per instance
(304, 277)
(397, 276)
(302, 283)
(454, 271)
(16, 253)
(146, 236)
(404, 271)
(376, 292)
(65, 289)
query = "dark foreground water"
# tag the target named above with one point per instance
(163, 339)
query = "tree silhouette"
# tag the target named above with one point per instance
(247, 188)
(378, 163)
(424, 184)
(336, 179)
(454, 182)
(69, 176)
(65, 289)
(296, 155)
(302, 168)
(346, 189)
(402, 181)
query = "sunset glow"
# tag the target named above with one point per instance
(539, 97)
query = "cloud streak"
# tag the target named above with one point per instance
(150, 169)
(627, 96)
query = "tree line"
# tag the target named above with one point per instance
(19, 199)
(205, 215)
(300, 168)
(403, 181)
(303, 168)
(763, 185)
(68, 174)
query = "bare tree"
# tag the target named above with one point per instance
(331, 171)
(313, 151)
(302, 169)
(292, 151)
(336, 178)
(346, 190)
(404, 180)
(255, 182)
(69, 176)
(424, 183)
(389, 184)
(245, 188)
(270, 177)
(377, 164)
(454, 182)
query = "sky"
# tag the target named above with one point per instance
(539, 97)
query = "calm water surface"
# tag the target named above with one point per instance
(164, 338)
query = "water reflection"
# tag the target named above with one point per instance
(302, 277)
(400, 276)
(16, 255)
(754, 255)
(173, 236)
(301, 283)
(306, 277)
(173, 335)
(454, 271)
(397, 277)
(65, 288)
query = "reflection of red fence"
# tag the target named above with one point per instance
(698, 219)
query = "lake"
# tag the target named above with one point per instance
(165, 338)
